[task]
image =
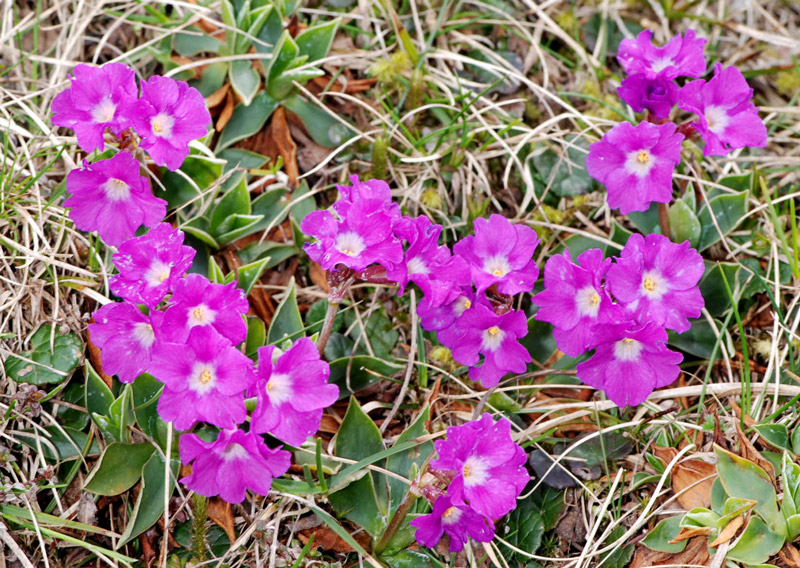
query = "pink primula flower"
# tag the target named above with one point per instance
(681, 57)
(636, 163)
(459, 522)
(292, 392)
(94, 102)
(168, 116)
(110, 197)
(230, 465)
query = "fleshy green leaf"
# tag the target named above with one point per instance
(728, 210)
(775, 434)
(247, 120)
(256, 335)
(97, 395)
(46, 364)
(150, 502)
(244, 80)
(683, 223)
(287, 322)
(118, 469)
(756, 544)
(661, 535)
(315, 42)
(361, 373)
(248, 274)
(407, 463)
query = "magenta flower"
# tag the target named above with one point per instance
(435, 318)
(197, 302)
(363, 237)
(361, 190)
(126, 338)
(150, 265)
(168, 116)
(656, 280)
(635, 163)
(94, 101)
(657, 95)
(110, 197)
(204, 380)
(292, 392)
(431, 266)
(727, 120)
(574, 300)
(479, 331)
(488, 468)
(500, 253)
(235, 462)
(681, 57)
(630, 363)
(458, 521)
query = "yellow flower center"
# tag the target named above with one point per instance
(595, 299)
(467, 471)
(643, 157)
(467, 304)
(198, 313)
(494, 330)
(649, 284)
(158, 127)
(627, 340)
(205, 376)
(449, 512)
(497, 272)
(269, 386)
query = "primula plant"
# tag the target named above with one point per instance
(527, 302)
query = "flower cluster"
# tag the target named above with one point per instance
(184, 330)
(485, 473)
(111, 196)
(636, 163)
(467, 293)
(654, 286)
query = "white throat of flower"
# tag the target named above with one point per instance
(157, 273)
(497, 266)
(461, 305)
(103, 111)
(350, 243)
(451, 516)
(279, 388)
(492, 338)
(203, 378)
(654, 286)
(639, 162)
(475, 471)
(234, 451)
(116, 190)
(661, 64)
(162, 124)
(201, 315)
(417, 266)
(587, 300)
(717, 119)
(144, 334)
(627, 349)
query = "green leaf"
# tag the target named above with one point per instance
(364, 501)
(776, 434)
(796, 440)
(324, 129)
(244, 80)
(352, 374)
(712, 286)
(193, 41)
(272, 251)
(287, 322)
(60, 446)
(523, 529)
(303, 202)
(256, 335)
(756, 544)
(241, 158)
(98, 396)
(744, 479)
(235, 202)
(408, 559)
(248, 275)
(728, 210)
(118, 469)
(408, 462)
(197, 228)
(646, 221)
(699, 340)
(247, 120)
(565, 172)
(315, 42)
(202, 170)
(150, 502)
(46, 364)
(211, 80)
(683, 223)
(237, 226)
(620, 557)
(270, 32)
(379, 331)
(284, 57)
(146, 391)
(539, 341)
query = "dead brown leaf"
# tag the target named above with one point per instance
(318, 276)
(695, 554)
(749, 452)
(790, 556)
(222, 514)
(690, 532)
(326, 539)
(217, 96)
(94, 358)
(329, 424)
(227, 112)
(691, 479)
(279, 142)
(729, 531)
